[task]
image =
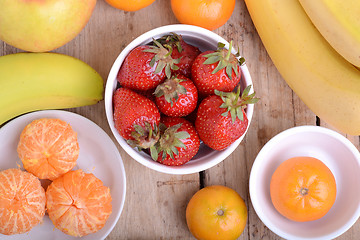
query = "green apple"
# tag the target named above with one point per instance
(43, 25)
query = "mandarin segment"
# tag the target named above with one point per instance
(22, 201)
(48, 148)
(78, 203)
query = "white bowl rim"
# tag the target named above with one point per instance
(256, 165)
(109, 88)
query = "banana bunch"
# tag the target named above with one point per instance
(339, 23)
(325, 81)
(36, 81)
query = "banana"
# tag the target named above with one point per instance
(327, 83)
(36, 81)
(339, 22)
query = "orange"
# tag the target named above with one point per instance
(48, 148)
(78, 203)
(209, 14)
(303, 189)
(130, 5)
(22, 201)
(216, 212)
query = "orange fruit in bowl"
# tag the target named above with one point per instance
(209, 14)
(303, 189)
(216, 212)
(48, 148)
(22, 201)
(130, 5)
(78, 203)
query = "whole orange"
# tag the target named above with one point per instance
(303, 189)
(216, 212)
(209, 14)
(130, 5)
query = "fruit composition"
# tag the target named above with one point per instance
(303, 189)
(41, 26)
(22, 201)
(37, 81)
(78, 203)
(216, 212)
(210, 14)
(48, 148)
(169, 83)
(327, 83)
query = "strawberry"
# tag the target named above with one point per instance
(131, 111)
(180, 49)
(179, 142)
(145, 67)
(176, 97)
(216, 70)
(221, 118)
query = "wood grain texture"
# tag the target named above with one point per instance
(156, 202)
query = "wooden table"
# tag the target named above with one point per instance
(155, 202)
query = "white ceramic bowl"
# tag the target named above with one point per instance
(205, 40)
(337, 152)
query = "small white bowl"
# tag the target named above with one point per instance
(337, 152)
(204, 40)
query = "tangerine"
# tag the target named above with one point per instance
(130, 5)
(303, 189)
(216, 212)
(78, 203)
(209, 14)
(22, 201)
(48, 148)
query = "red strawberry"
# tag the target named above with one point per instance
(216, 70)
(221, 118)
(183, 50)
(178, 143)
(176, 97)
(132, 109)
(145, 67)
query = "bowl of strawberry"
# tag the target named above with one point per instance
(179, 99)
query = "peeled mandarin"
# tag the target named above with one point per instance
(48, 148)
(22, 201)
(78, 203)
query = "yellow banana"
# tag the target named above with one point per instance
(327, 83)
(339, 22)
(35, 81)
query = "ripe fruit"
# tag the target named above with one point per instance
(216, 70)
(303, 189)
(327, 83)
(48, 148)
(131, 109)
(178, 143)
(130, 5)
(339, 23)
(216, 212)
(41, 26)
(210, 14)
(78, 203)
(181, 50)
(36, 81)
(145, 67)
(221, 118)
(22, 201)
(176, 97)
